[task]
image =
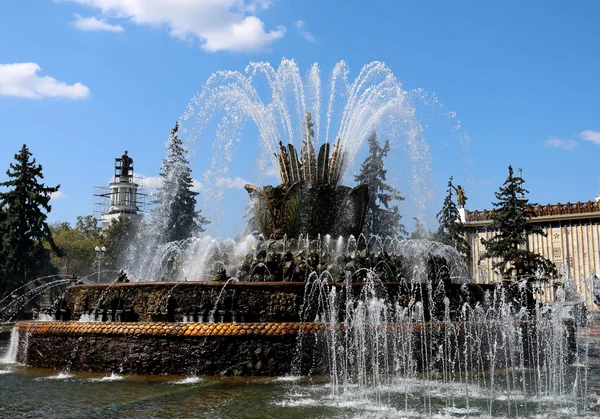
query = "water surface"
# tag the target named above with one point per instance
(33, 393)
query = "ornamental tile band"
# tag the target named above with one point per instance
(205, 329)
(169, 329)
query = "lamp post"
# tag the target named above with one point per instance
(100, 251)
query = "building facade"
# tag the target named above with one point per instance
(571, 241)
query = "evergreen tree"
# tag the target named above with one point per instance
(176, 206)
(250, 225)
(24, 211)
(382, 218)
(119, 235)
(4, 251)
(420, 232)
(510, 222)
(451, 230)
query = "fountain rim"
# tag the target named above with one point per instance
(222, 329)
(266, 284)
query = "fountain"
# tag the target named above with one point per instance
(311, 295)
(309, 200)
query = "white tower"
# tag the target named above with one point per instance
(123, 193)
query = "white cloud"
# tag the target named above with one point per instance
(229, 183)
(220, 25)
(563, 144)
(254, 5)
(57, 195)
(301, 28)
(155, 182)
(152, 182)
(272, 172)
(94, 24)
(246, 35)
(589, 135)
(22, 80)
(197, 186)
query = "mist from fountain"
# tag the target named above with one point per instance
(18, 301)
(495, 350)
(275, 101)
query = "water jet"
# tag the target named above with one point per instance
(311, 296)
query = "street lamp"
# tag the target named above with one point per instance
(100, 251)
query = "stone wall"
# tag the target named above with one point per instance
(160, 348)
(265, 349)
(180, 301)
(237, 301)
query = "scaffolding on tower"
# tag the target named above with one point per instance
(127, 195)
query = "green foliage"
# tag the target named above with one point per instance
(89, 226)
(62, 225)
(250, 225)
(510, 221)
(4, 253)
(117, 238)
(176, 206)
(382, 218)
(77, 247)
(420, 232)
(452, 230)
(23, 228)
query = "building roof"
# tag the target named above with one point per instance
(549, 212)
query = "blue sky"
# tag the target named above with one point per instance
(83, 80)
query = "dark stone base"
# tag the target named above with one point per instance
(181, 355)
(240, 301)
(278, 349)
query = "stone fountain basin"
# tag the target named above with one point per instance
(241, 302)
(165, 348)
(261, 349)
(238, 328)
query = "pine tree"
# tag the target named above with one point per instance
(117, 237)
(512, 227)
(420, 232)
(24, 229)
(4, 252)
(451, 230)
(176, 206)
(382, 218)
(250, 224)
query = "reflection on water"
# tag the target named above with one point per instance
(33, 393)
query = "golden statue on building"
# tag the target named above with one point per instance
(461, 197)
